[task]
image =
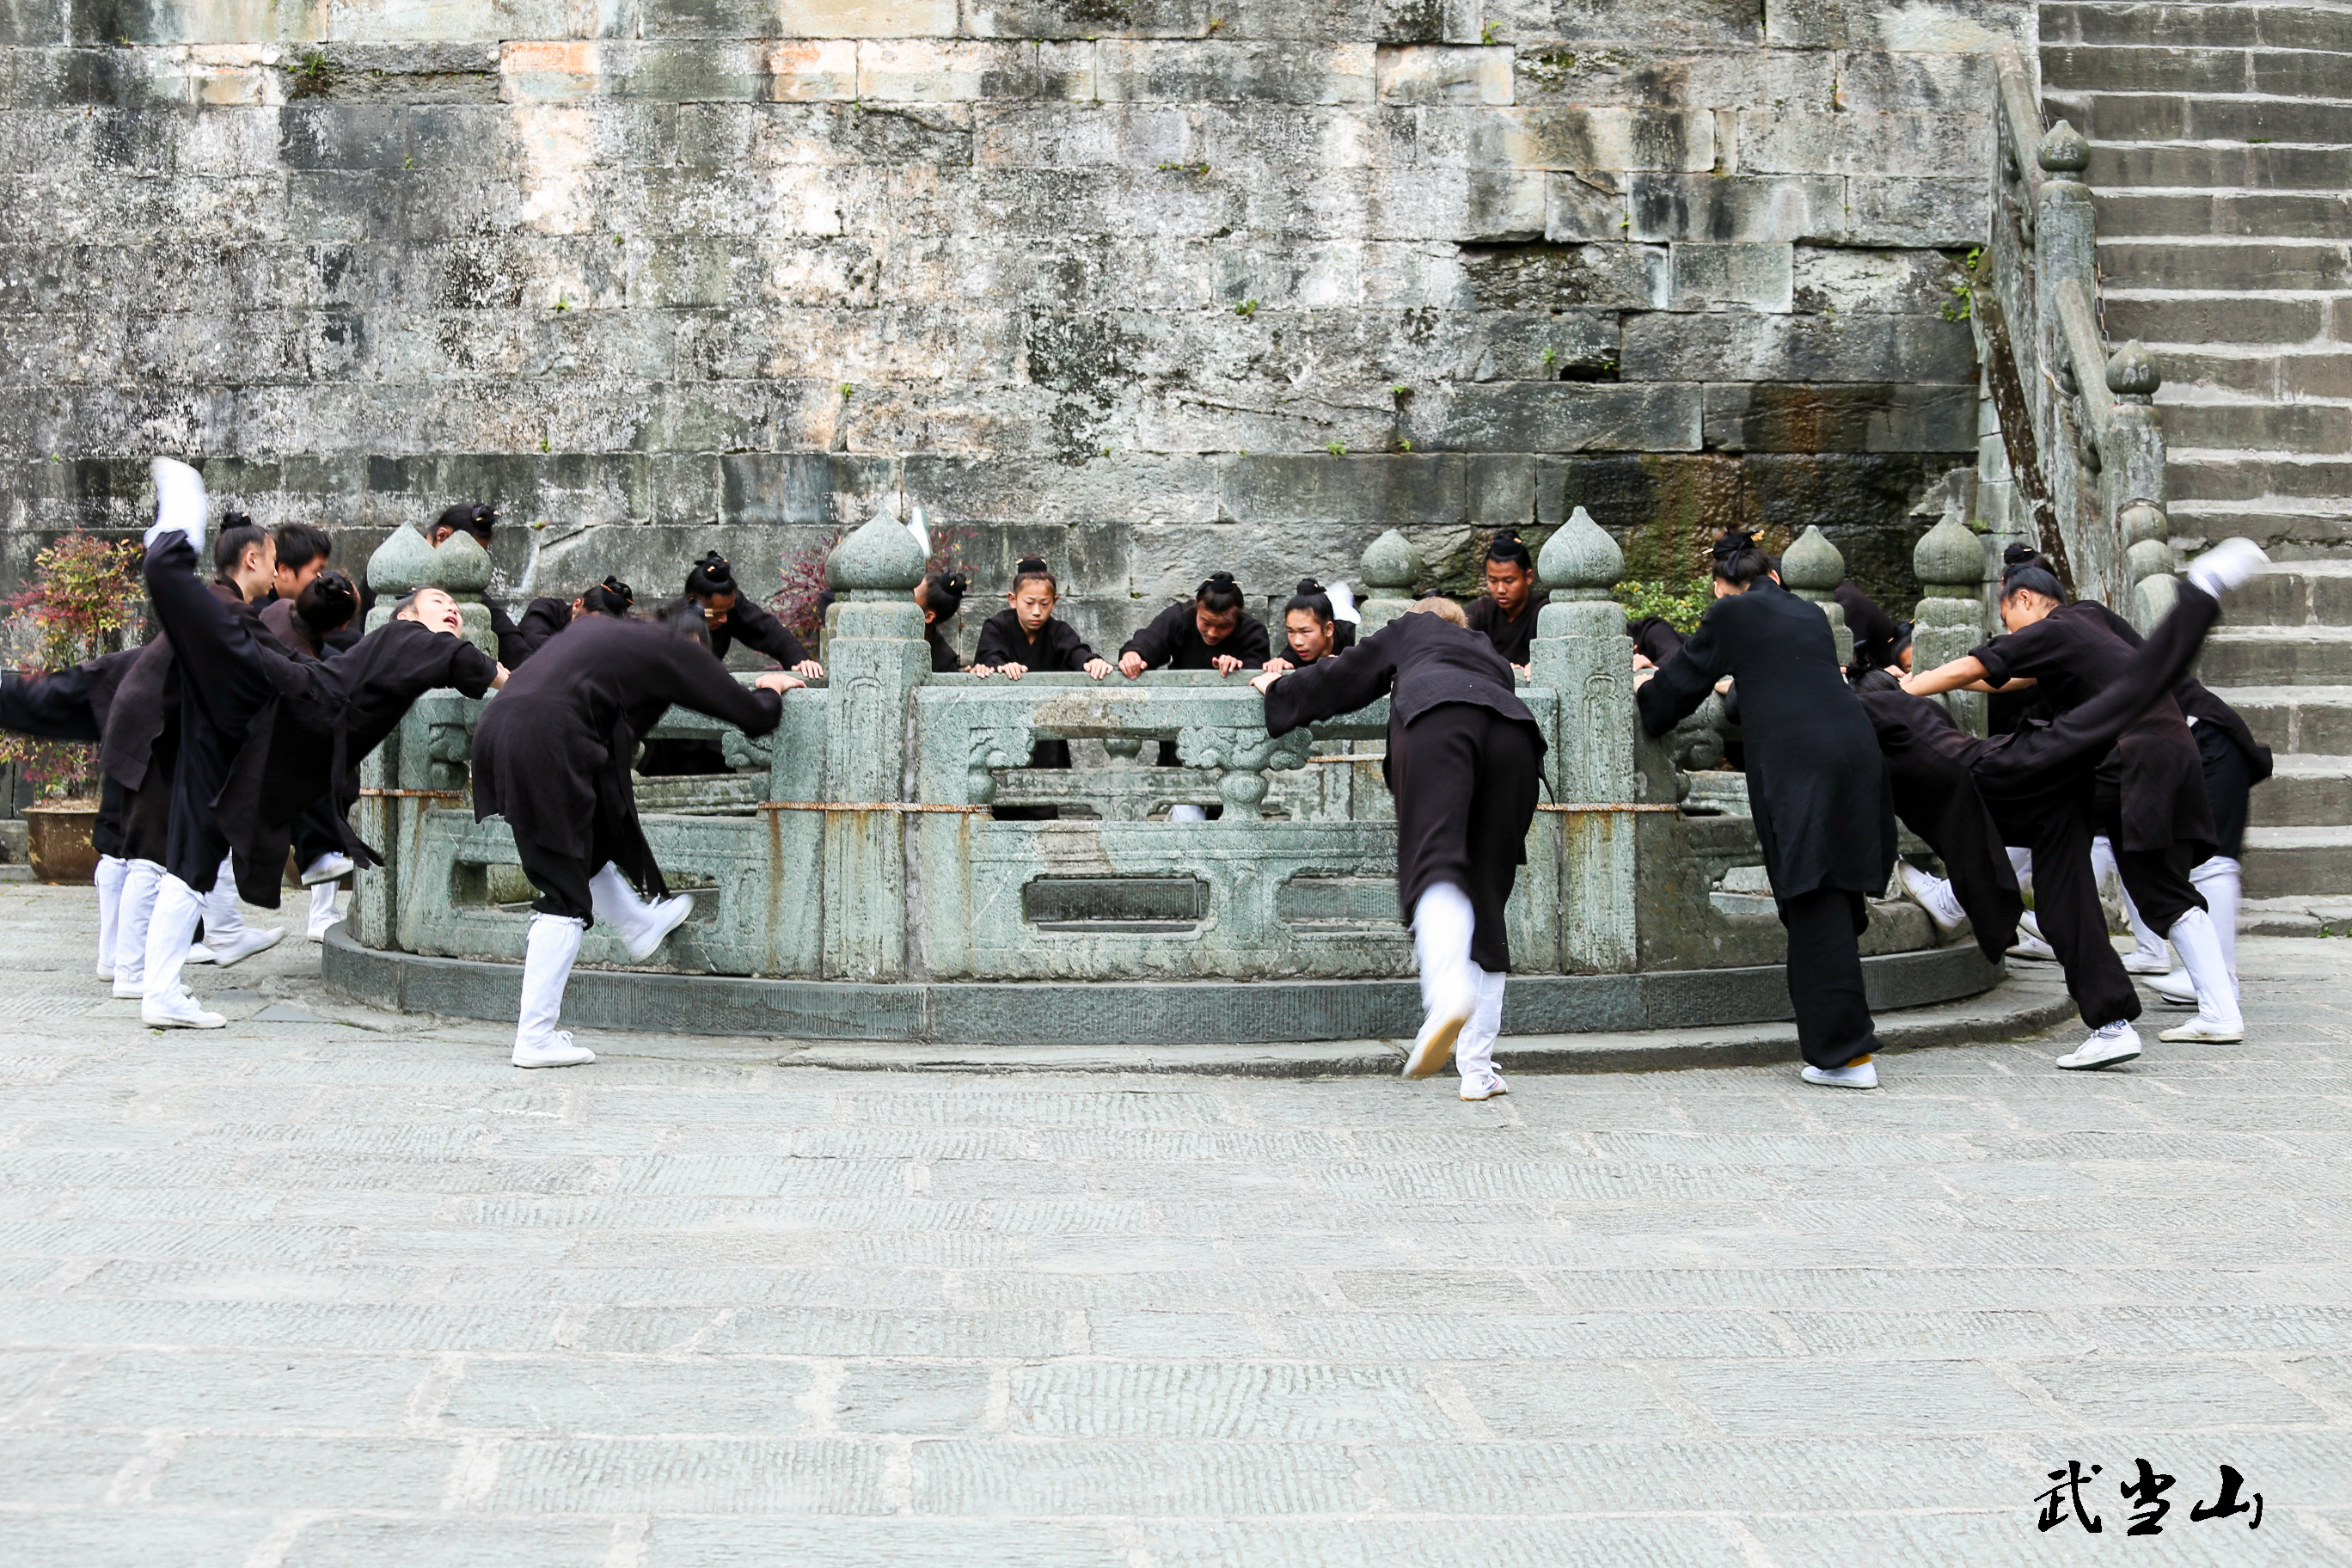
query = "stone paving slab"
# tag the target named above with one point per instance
(334, 1288)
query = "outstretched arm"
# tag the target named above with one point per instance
(1684, 681)
(1330, 687)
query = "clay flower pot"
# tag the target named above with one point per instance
(57, 832)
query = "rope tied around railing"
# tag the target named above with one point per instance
(895, 805)
(1586, 808)
(413, 793)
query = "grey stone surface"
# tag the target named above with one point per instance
(356, 1291)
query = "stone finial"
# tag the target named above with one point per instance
(880, 558)
(402, 563)
(460, 565)
(2143, 520)
(1812, 563)
(1950, 558)
(1390, 566)
(1580, 558)
(2132, 373)
(2064, 152)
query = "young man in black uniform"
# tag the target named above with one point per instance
(1506, 612)
(1815, 782)
(1464, 763)
(729, 618)
(1212, 632)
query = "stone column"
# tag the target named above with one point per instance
(1812, 569)
(1391, 566)
(1582, 652)
(877, 657)
(1949, 562)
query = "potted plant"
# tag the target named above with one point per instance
(84, 596)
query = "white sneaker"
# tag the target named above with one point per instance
(177, 1010)
(106, 972)
(244, 944)
(320, 925)
(1434, 1046)
(555, 1050)
(2110, 1045)
(2136, 962)
(2226, 565)
(2205, 1030)
(2034, 948)
(1863, 1073)
(659, 920)
(2176, 989)
(199, 953)
(1484, 1088)
(1934, 895)
(332, 867)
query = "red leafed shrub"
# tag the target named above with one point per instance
(85, 595)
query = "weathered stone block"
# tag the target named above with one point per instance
(1935, 214)
(1682, 22)
(1663, 347)
(1881, 282)
(1735, 209)
(812, 70)
(1790, 142)
(1463, 205)
(1082, 19)
(1967, 25)
(1555, 417)
(1565, 138)
(1584, 205)
(1437, 73)
(1362, 488)
(867, 18)
(1706, 277)
(923, 71)
(1130, 70)
(1763, 417)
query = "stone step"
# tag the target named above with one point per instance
(2163, 164)
(2284, 861)
(2305, 791)
(2209, 318)
(2268, 374)
(2265, 427)
(2272, 215)
(2138, 25)
(2309, 718)
(2292, 594)
(2312, 527)
(2258, 478)
(2118, 118)
(2249, 266)
(2278, 656)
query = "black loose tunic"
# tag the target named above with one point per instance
(1815, 782)
(943, 655)
(2073, 653)
(542, 619)
(68, 704)
(1172, 641)
(1515, 640)
(551, 751)
(1873, 629)
(1937, 797)
(1057, 646)
(758, 630)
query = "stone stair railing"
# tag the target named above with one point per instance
(2084, 455)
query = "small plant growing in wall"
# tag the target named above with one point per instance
(1246, 309)
(312, 77)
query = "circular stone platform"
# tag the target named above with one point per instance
(1140, 1013)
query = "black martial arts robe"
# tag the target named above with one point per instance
(943, 654)
(1824, 813)
(1654, 639)
(760, 632)
(2234, 760)
(1873, 629)
(1937, 797)
(73, 704)
(513, 646)
(551, 752)
(1057, 648)
(542, 619)
(1514, 639)
(1172, 641)
(1465, 759)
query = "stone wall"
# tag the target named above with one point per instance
(1151, 287)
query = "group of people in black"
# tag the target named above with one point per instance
(235, 733)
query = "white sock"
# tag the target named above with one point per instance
(322, 905)
(1442, 925)
(2199, 945)
(548, 954)
(179, 502)
(2145, 942)
(112, 870)
(2020, 862)
(1188, 814)
(616, 902)
(133, 918)
(171, 932)
(1474, 1051)
(224, 922)
(2222, 882)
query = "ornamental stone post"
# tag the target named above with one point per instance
(1391, 566)
(1582, 653)
(877, 657)
(1949, 562)
(1812, 569)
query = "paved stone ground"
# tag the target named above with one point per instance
(310, 1293)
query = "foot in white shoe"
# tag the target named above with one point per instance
(333, 866)
(317, 930)
(1484, 1088)
(1434, 1046)
(245, 944)
(2110, 1045)
(177, 1010)
(2226, 565)
(1861, 1074)
(660, 920)
(555, 1050)
(1934, 895)
(199, 953)
(2176, 989)
(2205, 1030)
(2034, 947)
(2147, 963)
(105, 971)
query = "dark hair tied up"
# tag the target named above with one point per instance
(470, 517)
(710, 576)
(1032, 566)
(1737, 560)
(1219, 594)
(684, 616)
(236, 518)
(1505, 547)
(1311, 598)
(943, 594)
(610, 598)
(2019, 554)
(326, 603)
(2032, 579)
(1733, 543)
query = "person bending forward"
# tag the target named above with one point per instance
(552, 757)
(1464, 760)
(1824, 811)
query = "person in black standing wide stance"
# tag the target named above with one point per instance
(1815, 782)
(1464, 760)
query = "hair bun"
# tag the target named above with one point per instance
(1735, 541)
(1510, 533)
(1309, 585)
(1222, 579)
(619, 590)
(957, 582)
(2018, 554)
(1031, 564)
(233, 518)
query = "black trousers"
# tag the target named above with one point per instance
(1834, 1025)
(2229, 781)
(2056, 826)
(1464, 779)
(317, 831)
(106, 837)
(2157, 880)
(562, 880)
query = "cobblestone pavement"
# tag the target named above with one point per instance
(356, 1292)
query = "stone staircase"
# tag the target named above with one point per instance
(2222, 173)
